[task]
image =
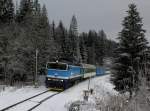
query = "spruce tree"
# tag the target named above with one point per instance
(132, 44)
(6, 29)
(25, 11)
(68, 49)
(60, 39)
(73, 34)
(74, 26)
(7, 39)
(83, 48)
(90, 39)
(110, 46)
(6, 11)
(100, 42)
(37, 7)
(28, 17)
(53, 32)
(45, 43)
(91, 46)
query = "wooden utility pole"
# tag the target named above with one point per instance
(36, 69)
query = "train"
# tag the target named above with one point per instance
(61, 75)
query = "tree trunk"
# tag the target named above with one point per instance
(131, 93)
(5, 72)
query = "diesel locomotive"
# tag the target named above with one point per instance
(63, 75)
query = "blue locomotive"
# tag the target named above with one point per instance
(63, 75)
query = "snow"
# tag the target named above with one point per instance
(60, 102)
(125, 54)
(24, 106)
(39, 98)
(13, 95)
(31, 103)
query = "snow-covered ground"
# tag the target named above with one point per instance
(25, 106)
(13, 95)
(61, 101)
(101, 86)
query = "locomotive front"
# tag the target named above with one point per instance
(57, 74)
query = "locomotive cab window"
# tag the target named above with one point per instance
(58, 66)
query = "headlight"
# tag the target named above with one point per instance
(49, 79)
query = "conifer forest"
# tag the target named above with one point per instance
(25, 28)
(30, 39)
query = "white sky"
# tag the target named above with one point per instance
(97, 14)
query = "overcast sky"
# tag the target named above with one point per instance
(97, 14)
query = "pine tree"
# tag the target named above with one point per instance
(25, 11)
(83, 48)
(6, 11)
(60, 37)
(45, 43)
(53, 30)
(74, 26)
(91, 37)
(73, 34)
(110, 46)
(6, 24)
(68, 49)
(28, 18)
(132, 44)
(37, 7)
(100, 48)
(7, 39)
(17, 68)
(91, 46)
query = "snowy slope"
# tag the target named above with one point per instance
(61, 101)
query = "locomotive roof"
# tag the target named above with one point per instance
(81, 64)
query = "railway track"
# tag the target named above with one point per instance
(33, 102)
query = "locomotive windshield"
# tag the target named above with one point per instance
(58, 66)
